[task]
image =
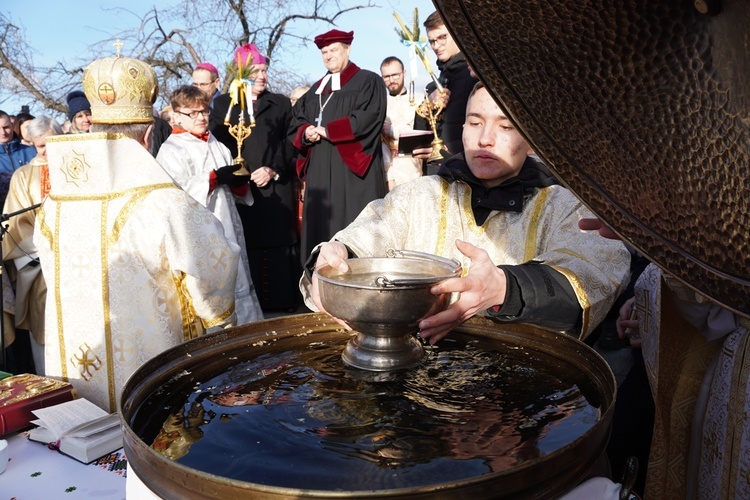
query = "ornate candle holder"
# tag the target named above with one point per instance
(431, 112)
(240, 93)
(240, 132)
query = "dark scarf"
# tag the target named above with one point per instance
(509, 196)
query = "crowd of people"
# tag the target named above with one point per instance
(169, 231)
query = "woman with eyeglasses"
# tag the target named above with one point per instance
(203, 167)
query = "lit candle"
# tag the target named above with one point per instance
(240, 88)
(248, 87)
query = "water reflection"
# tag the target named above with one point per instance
(301, 419)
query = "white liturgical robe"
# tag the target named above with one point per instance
(189, 160)
(133, 264)
(428, 215)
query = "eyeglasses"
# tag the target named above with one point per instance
(438, 40)
(203, 85)
(194, 114)
(394, 76)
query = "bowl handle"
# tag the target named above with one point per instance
(455, 264)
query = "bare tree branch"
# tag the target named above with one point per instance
(173, 41)
(16, 62)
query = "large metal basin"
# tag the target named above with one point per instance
(545, 477)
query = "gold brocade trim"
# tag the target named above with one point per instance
(124, 215)
(139, 190)
(736, 416)
(123, 115)
(93, 136)
(536, 216)
(470, 222)
(55, 240)
(43, 227)
(104, 259)
(187, 311)
(582, 298)
(683, 355)
(442, 217)
(220, 319)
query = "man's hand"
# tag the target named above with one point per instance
(597, 225)
(321, 131)
(440, 98)
(333, 254)
(627, 323)
(311, 134)
(225, 175)
(481, 289)
(422, 153)
(262, 176)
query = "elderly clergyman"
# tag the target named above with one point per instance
(206, 78)
(336, 129)
(133, 264)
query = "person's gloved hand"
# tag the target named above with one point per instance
(225, 175)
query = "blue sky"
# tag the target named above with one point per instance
(63, 30)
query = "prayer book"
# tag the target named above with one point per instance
(23, 393)
(79, 429)
(410, 140)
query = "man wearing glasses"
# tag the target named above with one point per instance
(457, 80)
(399, 117)
(203, 167)
(206, 78)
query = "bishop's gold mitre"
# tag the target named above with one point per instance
(120, 90)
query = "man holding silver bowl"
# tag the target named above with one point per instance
(504, 217)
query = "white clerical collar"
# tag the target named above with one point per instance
(335, 82)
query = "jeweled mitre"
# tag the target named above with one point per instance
(120, 90)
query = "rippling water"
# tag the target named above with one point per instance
(297, 417)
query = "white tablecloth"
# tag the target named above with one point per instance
(36, 472)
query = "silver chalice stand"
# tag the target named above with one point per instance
(382, 299)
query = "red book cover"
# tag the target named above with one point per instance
(20, 394)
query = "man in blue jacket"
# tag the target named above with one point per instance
(14, 154)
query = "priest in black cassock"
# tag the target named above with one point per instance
(336, 129)
(270, 223)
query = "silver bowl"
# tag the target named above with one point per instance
(382, 299)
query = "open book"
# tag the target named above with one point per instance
(79, 429)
